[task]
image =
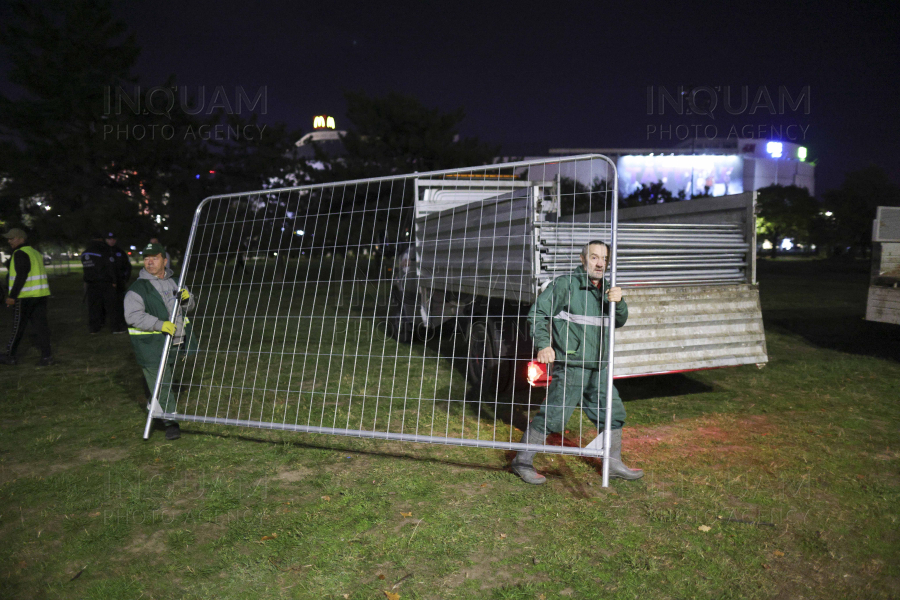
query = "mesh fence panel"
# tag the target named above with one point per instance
(390, 308)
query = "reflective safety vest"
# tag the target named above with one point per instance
(36, 284)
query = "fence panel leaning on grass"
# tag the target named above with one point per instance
(397, 307)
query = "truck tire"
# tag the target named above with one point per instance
(486, 370)
(400, 326)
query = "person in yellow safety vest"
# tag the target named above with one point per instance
(28, 293)
(148, 305)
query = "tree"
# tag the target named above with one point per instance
(57, 161)
(853, 207)
(654, 193)
(390, 135)
(785, 211)
(74, 161)
(397, 134)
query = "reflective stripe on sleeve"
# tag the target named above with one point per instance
(582, 319)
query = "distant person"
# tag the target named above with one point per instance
(148, 306)
(28, 293)
(99, 274)
(569, 325)
(122, 272)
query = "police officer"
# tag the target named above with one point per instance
(98, 264)
(122, 270)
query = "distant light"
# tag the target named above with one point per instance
(323, 122)
(274, 254)
(767, 245)
(133, 248)
(828, 213)
(166, 228)
(282, 228)
(300, 232)
(212, 172)
(801, 153)
(786, 244)
(775, 149)
(198, 176)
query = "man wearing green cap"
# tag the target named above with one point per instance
(149, 304)
(28, 293)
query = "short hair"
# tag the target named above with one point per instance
(587, 248)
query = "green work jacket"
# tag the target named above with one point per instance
(148, 345)
(571, 316)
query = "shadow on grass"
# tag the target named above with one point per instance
(824, 302)
(660, 386)
(379, 453)
(839, 330)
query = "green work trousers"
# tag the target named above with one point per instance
(570, 388)
(167, 397)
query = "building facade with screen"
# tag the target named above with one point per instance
(713, 167)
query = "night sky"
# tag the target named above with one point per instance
(533, 76)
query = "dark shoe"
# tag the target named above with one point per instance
(173, 431)
(522, 465)
(6, 359)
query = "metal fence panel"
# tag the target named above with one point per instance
(389, 308)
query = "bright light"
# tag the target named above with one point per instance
(801, 153)
(767, 245)
(323, 122)
(828, 213)
(775, 149)
(166, 228)
(133, 248)
(537, 374)
(300, 232)
(786, 244)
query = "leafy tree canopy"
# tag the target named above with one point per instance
(785, 211)
(397, 134)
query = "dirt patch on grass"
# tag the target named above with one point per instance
(722, 435)
(102, 454)
(292, 475)
(152, 543)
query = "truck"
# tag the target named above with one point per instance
(883, 303)
(483, 251)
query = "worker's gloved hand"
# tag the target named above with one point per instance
(185, 295)
(168, 327)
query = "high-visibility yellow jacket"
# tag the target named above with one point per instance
(36, 284)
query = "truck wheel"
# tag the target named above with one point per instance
(399, 326)
(485, 369)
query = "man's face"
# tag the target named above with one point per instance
(110, 241)
(595, 263)
(155, 265)
(15, 242)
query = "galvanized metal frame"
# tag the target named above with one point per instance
(156, 410)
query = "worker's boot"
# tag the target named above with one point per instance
(616, 467)
(522, 463)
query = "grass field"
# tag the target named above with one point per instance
(775, 483)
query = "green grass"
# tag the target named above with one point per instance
(793, 468)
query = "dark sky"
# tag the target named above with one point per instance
(532, 76)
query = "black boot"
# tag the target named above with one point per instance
(522, 463)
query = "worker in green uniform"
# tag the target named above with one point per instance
(148, 305)
(570, 328)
